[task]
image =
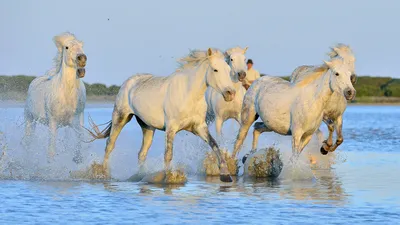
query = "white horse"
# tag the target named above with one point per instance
(297, 108)
(335, 107)
(171, 104)
(219, 109)
(58, 98)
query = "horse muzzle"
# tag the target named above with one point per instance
(80, 72)
(81, 60)
(349, 93)
(229, 95)
(241, 76)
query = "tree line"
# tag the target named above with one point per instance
(16, 87)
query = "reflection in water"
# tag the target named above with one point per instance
(327, 187)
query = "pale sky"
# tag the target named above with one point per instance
(148, 35)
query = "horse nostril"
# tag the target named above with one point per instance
(349, 92)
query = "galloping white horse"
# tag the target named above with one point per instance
(297, 108)
(171, 104)
(58, 98)
(219, 109)
(334, 108)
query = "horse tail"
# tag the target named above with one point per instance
(95, 132)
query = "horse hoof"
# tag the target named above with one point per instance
(323, 151)
(245, 158)
(225, 178)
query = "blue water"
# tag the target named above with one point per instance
(362, 187)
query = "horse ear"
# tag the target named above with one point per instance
(329, 64)
(209, 52)
(245, 49)
(57, 42)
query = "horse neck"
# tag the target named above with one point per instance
(67, 81)
(197, 82)
(323, 89)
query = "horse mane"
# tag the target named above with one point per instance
(59, 41)
(195, 57)
(343, 51)
(316, 73)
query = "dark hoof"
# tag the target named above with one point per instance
(225, 178)
(245, 158)
(323, 151)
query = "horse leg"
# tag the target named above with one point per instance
(169, 141)
(203, 133)
(244, 129)
(148, 134)
(78, 124)
(327, 144)
(30, 126)
(259, 128)
(119, 120)
(299, 141)
(218, 127)
(339, 135)
(52, 140)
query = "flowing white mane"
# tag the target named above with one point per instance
(60, 41)
(195, 57)
(343, 51)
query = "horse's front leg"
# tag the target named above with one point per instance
(52, 140)
(218, 128)
(77, 126)
(327, 144)
(169, 141)
(339, 135)
(203, 133)
(30, 126)
(299, 142)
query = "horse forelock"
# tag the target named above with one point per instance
(345, 52)
(195, 57)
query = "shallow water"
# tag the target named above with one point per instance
(363, 186)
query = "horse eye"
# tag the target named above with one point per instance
(337, 74)
(66, 47)
(231, 59)
(215, 70)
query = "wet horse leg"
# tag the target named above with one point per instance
(203, 133)
(339, 135)
(327, 144)
(52, 140)
(119, 120)
(169, 141)
(147, 140)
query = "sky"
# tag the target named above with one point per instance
(123, 38)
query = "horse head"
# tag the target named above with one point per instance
(236, 59)
(218, 75)
(340, 77)
(70, 53)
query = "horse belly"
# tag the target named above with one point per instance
(149, 109)
(274, 111)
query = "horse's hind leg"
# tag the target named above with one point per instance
(203, 133)
(30, 126)
(169, 141)
(119, 120)
(259, 128)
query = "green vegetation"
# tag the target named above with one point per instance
(369, 89)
